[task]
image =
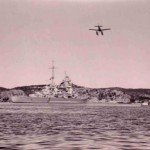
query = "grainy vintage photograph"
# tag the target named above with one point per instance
(75, 74)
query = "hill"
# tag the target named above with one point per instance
(2, 89)
(111, 94)
(108, 94)
(31, 89)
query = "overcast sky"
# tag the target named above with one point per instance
(35, 32)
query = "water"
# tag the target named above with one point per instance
(62, 126)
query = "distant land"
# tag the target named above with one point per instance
(110, 94)
(3, 89)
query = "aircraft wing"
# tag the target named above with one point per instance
(105, 29)
(93, 29)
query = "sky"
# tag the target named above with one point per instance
(35, 32)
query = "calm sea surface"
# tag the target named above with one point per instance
(62, 126)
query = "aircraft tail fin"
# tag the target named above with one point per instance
(98, 26)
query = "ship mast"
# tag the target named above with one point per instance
(53, 74)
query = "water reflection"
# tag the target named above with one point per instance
(73, 127)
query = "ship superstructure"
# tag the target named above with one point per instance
(64, 89)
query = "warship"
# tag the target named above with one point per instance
(51, 92)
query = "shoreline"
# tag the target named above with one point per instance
(27, 101)
(6, 107)
(66, 101)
